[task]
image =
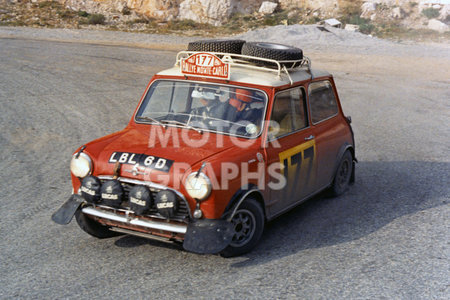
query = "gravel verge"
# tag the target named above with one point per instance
(307, 37)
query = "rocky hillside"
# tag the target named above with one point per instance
(376, 17)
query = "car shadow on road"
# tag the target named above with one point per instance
(383, 192)
(129, 241)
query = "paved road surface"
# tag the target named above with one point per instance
(388, 237)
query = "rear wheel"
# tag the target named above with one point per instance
(92, 227)
(248, 223)
(341, 180)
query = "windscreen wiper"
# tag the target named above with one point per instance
(151, 119)
(183, 124)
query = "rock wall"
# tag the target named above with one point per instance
(206, 11)
(324, 5)
(158, 9)
(215, 12)
(218, 12)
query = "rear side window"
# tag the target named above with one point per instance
(322, 101)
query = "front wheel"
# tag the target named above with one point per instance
(92, 227)
(248, 223)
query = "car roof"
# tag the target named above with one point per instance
(259, 77)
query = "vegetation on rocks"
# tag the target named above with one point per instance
(95, 19)
(430, 13)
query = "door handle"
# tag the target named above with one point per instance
(309, 138)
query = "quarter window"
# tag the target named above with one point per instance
(322, 101)
(289, 112)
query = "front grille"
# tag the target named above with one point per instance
(182, 212)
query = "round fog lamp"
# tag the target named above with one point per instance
(90, 189)
(112, 193)
(166, 203)
(140, 199)
(81, 166)
(198, 186)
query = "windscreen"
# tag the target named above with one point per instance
(218, 108)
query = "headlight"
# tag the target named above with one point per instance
(198, 186)
(81, 166)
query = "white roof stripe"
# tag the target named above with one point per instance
(258, 77)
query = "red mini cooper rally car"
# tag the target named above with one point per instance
(232, 136)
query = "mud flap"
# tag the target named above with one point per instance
(208, 236)
(66, 212)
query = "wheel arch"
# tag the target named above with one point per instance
(243, 193)
(341, 153)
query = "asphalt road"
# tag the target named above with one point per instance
(388, 237)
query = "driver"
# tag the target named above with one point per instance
(239, 108)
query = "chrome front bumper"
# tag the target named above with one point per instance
(200, 236)
(127, 219)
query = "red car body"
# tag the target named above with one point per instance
(308, 158)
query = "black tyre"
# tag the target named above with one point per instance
(93, 228)
(343, 174)
(248, 224)
(225, 46)
(277, 52)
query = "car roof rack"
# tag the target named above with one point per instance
(254, 62)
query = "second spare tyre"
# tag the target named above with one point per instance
(273, 51)
(225, 46)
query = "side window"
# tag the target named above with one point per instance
(322, 101)
(289, 112)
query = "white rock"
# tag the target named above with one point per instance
(397, 13)
(367, 9)
(423, 5)
(121, 6)
(161, 9)
(445, 11)
(333, 23)
(247, 6)
(351, 27)
(326, 7)
(267, 7)
(436, 4)
(292, 14)
(438, 26)
(431, 2)
(160, 14)
(206, 11)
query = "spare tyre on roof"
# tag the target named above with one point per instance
(225, 46)
(273, 51)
